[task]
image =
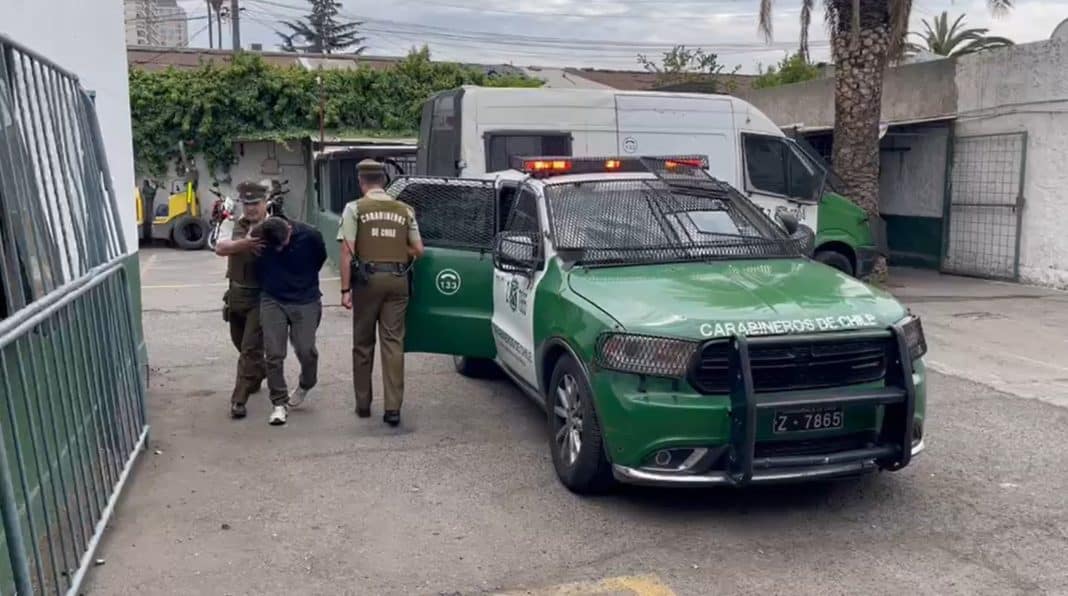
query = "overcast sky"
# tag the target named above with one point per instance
(601, 33)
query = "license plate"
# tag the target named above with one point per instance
(802, 420)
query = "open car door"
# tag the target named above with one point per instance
(452, 284)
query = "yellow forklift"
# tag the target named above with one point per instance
(178, 219)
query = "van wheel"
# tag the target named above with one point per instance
(575, 440)
(475, 368)
(190, 233)
(836, 260)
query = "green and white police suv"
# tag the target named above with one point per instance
(673, 332)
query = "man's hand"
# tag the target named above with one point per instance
(346, 300)
(252, 245)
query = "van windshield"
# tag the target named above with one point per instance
(622, 222)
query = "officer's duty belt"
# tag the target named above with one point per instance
(385, 267)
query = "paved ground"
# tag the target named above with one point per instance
(462, 498)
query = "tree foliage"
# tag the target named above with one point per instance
(321, 32)
(944, 39)
(791, 69)
(210, 106)
(685, 65)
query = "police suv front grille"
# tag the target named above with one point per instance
(789, 367)
(822, 446)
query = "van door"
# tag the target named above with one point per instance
(452, 284)
(659, 125)
(778, 176)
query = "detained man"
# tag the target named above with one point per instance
(291, 306)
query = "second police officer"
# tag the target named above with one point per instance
(242, 298)
(379, 237)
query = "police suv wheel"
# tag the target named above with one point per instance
(575, 438)
(475, 368)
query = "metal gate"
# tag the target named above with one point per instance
(986, 205)
(72, 416)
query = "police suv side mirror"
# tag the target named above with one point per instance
(516, 252)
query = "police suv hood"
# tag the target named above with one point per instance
(718, 299)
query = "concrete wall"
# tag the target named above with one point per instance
(87, 38)
(1025, 88)
(912, 92)
(255, 160)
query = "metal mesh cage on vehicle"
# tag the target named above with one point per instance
(681, 216)
(451, 212)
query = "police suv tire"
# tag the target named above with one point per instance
(591, 472)
(190, 233)
(475, 368)
(836, 260)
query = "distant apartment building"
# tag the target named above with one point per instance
(156, 23)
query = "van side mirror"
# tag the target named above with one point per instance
(517, 252)
(789, 221)
(806, 238)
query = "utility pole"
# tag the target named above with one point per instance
(235, 19)
(322, 110)
(211, 34)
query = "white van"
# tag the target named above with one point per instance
(475, 130)
(470, 131)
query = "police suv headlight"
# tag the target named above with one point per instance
(645, 355)
(914, 339)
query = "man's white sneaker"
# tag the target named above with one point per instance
(278, 416)
(297, 397)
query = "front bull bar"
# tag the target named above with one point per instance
(893, 451)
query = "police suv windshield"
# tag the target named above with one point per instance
(631, 221)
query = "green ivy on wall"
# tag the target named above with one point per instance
(210, 106)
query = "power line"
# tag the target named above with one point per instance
(523, 45)
(538, 14)
(170, 49)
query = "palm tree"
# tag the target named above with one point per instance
(944, 39)
(865, 35)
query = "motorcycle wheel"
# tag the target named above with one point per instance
(213, 235)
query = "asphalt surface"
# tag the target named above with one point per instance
(462, 498)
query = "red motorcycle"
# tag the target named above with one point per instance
(221, 210)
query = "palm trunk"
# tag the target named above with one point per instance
(860, 58)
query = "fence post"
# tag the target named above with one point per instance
(16, 550)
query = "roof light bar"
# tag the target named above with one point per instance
(543, 166)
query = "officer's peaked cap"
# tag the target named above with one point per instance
(370, 166)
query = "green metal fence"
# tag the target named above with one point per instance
(72, 417)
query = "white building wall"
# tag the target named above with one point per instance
(1025, 88)
(173, 27)
(88, 39)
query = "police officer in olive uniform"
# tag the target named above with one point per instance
(379, 236)
(242, 299)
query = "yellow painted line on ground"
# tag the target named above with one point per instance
(628, 585)
(182, 286)
(148, 264)
(212, 285)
